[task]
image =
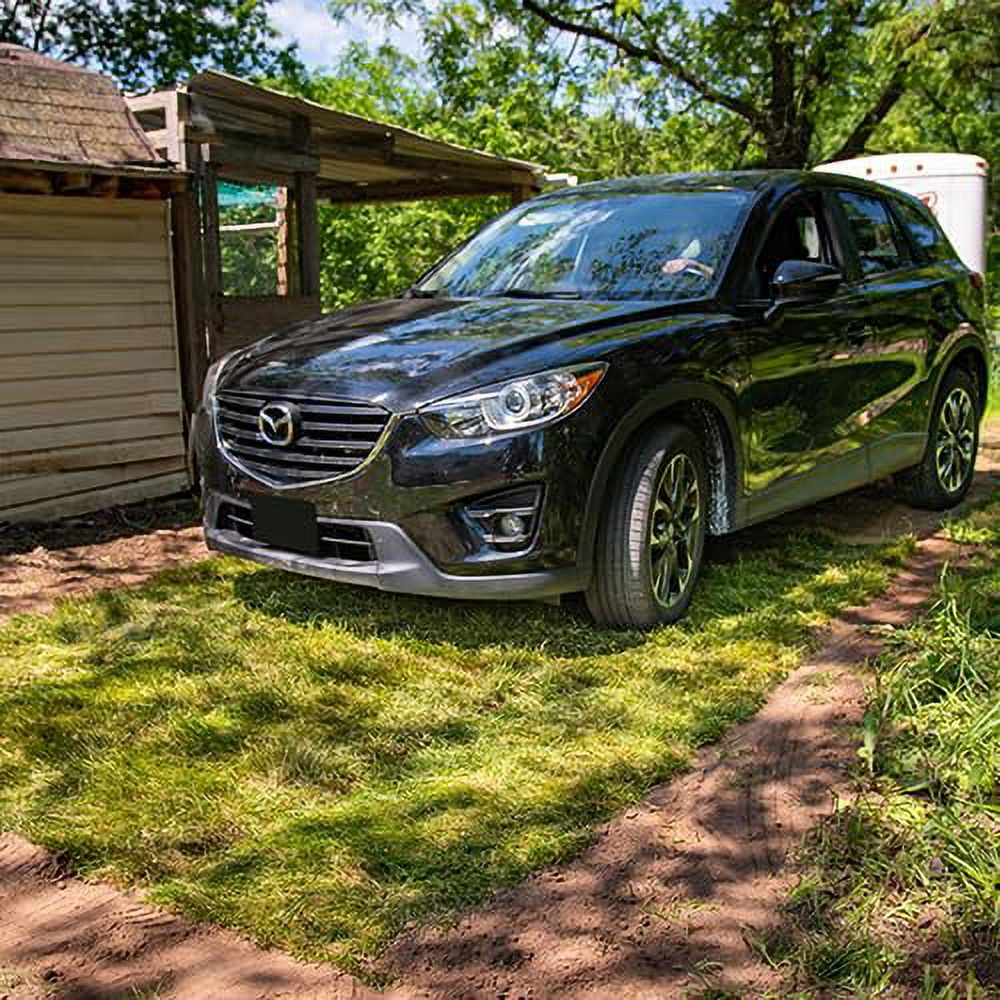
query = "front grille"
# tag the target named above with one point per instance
(337, 540)
(335, 436)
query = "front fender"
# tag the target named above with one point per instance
(660, 404)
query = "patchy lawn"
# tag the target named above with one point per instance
(317, 765)
(899, 894)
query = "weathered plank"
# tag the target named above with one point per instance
(91, 456)
(80, 503)
(61, 207)
(87, 387)
(90, 433)
(21, 268)
(92, 363)
(60, 484)
(92, 317)
(71, 293)
(80, 341)
(81, 249)
(21, 416)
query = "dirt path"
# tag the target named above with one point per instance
(666, 897)
(662, 901)
(70, 939)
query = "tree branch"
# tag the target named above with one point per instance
(653, 54)
(884, 103)
(7, 31)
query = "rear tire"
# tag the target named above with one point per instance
(652, 535)
(945, 473)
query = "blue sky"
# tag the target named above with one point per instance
(321, 39)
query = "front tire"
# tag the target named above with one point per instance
(652, 536)
(945, 473)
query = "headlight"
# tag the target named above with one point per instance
(513, 406)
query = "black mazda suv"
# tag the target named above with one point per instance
(596, 380)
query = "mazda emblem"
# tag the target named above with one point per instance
(278, 423)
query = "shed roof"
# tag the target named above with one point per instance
(56, 115)
(354, 158)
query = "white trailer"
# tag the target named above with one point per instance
(952, 185)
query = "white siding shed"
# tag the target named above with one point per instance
(90, 406)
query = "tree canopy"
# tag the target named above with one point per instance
(148, 43)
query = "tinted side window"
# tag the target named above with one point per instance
(798, 233)
(874, 232)
(923, 231)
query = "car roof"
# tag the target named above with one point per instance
(752, 181)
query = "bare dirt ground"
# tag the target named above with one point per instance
(663, 902)
(41, 563)
(668, 896)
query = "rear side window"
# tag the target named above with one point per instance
(925, 234)
(875, 234)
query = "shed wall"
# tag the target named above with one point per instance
(90, 405)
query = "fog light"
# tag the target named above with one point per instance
(512, 525)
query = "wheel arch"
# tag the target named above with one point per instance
(711, 415)
(971, 357)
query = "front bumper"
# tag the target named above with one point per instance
(416, 500)
(399, 566)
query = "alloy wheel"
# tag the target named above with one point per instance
(955, 442)
(673, 530)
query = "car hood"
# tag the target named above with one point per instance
(403, 352)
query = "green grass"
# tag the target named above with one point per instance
(318, 765)
(899, 894)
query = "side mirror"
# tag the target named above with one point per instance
(804, 281)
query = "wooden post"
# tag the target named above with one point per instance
(306, 210)
(190, 330)
(521, 192)
(286, 252)
(212, 253)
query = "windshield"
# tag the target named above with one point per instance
(664, 245)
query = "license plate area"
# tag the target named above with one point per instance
(285, 523)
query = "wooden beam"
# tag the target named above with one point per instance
(192, 343)
(226, 151)
(212, 255)
(307, 224)
(409, 191)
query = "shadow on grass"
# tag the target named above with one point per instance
(317, 764)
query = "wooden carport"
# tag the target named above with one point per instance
(223, 129)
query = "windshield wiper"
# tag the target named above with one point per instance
(423, 293)
(527, 293)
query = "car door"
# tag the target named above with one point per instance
(802, 360)
(888, 306)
